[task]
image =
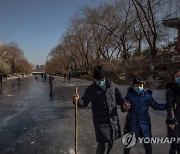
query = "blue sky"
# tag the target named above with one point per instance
(37, 25)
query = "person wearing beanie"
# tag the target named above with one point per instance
(138, 119)
(173, 112)
(104, 97)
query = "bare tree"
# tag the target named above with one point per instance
(117, 20)
(13, 56)
(146, 11)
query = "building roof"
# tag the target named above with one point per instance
(173, 23)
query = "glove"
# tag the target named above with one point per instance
(171, 121)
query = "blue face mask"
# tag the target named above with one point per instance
(138, 89)
(101, 83)
(177, 80)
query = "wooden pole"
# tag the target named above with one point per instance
(76, 122)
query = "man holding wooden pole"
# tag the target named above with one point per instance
(104, 97)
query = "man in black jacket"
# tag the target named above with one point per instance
(173, 111)
(104, 97)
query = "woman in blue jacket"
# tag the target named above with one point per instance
(138, 119)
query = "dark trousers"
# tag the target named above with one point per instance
(104, 148)
(174, 147)
(147, 146)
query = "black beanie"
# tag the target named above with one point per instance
(138, 81)
(99, 73)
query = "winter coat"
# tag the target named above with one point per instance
(173, 108)
(138, 116)
(104, 110)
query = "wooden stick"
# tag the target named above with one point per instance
(76, 122)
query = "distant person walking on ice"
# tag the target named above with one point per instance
(19, 80)
(65, 76)
(69, 76)
(51, 78)
(1, 78)
(45, 76)
(173, 112)
(104, 97)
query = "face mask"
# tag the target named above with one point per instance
(177, 80)
(138, 89)
(101, 83)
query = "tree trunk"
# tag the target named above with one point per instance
(139, 47)
(153, 64)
